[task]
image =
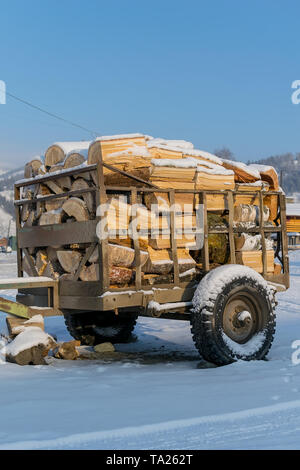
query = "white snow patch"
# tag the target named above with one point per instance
(31, 336)
(251, 171)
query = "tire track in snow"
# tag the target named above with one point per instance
(104, 439)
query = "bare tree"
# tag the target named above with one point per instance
(225, 153)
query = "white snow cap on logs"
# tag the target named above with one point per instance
(174, 144)
(72, 147)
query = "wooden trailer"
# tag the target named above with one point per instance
(84, 304)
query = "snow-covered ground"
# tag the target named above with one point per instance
(155, 395)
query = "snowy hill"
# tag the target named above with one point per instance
(7, 180)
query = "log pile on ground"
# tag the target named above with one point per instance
(29, 344)
(164, 164)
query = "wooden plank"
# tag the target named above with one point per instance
(62, 195)
(30, 262)
(79, 303)
(205, 249)
(136, 244)
(84, 289)
(101, 200)
(124, 173)
(18, 226)
(262, 234)
(230, 227)
(284, 238)
(51, 176)
(25, 283)
(174, 237)
(84, 260)
(58, 234)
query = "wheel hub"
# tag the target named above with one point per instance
(239, 319)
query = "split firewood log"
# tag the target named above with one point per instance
(67, 350)
(89, 273)
(88, 198)
(55, 188)
(69, 260)
(39, 209)
(30, 220)
(76, 208)
(119, 256)
(61, 181)
(54, 154)
(52, 252)
(57, 152)
(26, 265)
(26, 208)
(73, 159)
(43, 190)
(41, 261)
(31, 346)
(54, 204)
(51, 217)
(160, 261)
(32, 168)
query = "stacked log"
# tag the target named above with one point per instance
(165, 165)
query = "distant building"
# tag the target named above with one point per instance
(293, 225)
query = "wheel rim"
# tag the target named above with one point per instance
(240, 318)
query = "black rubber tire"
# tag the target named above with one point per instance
(208, 324)
(93, 328)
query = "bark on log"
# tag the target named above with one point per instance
(117, 275)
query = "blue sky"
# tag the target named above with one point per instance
(216, 73)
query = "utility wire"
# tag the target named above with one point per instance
(93, 133)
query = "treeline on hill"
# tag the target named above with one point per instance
(7, 181)
(288, 163)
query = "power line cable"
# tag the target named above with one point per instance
(93, 133)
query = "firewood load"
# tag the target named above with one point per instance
(165, 165)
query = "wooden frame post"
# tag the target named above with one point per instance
(101, 200)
